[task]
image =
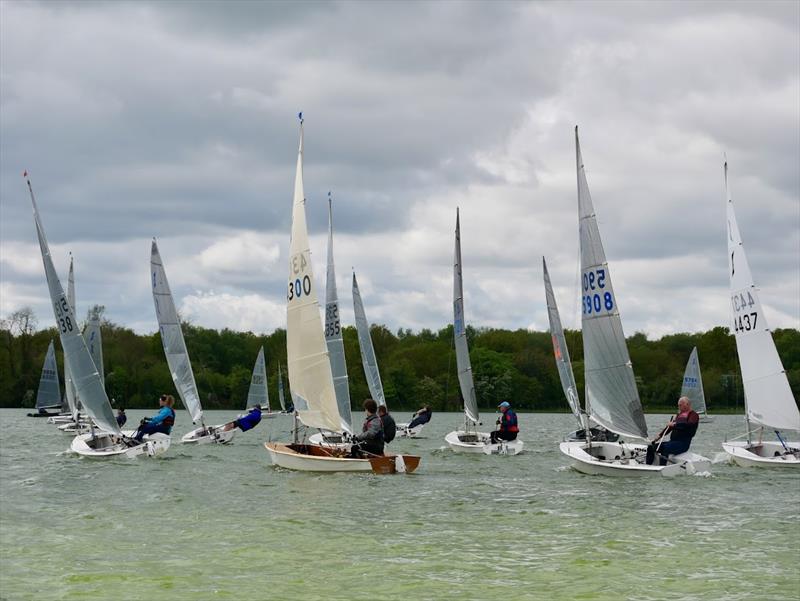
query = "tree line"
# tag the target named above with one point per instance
(416, 367)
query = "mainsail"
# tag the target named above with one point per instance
(69, 385)
(333, 335)
(611, 395)
(81, 367)
(94, 342)
(49, 393)
(692, 387)
(281, 398)
(460, 332)
(310, 376)
(560, 349)
(368, 359)
(767, 394)
(169, 326)
(257, 394)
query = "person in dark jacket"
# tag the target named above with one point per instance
(121, 417)
(370, 440)
(423, 416)
(246, 422)
(161, 421)
(389, 427)
(681, 430)
(508, 428)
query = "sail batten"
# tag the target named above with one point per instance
(172, 340)
(257, 394)
(49, 393)
(612, 399)
(368, 358)
(465, 380)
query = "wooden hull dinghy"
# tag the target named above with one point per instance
(315, 458)
(624, 459)
(103, 445)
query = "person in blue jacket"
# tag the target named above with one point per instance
(161, 421)
(246, 422)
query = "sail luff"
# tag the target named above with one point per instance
(81, 366)
(463, 364)
(611, 395)
(560, 350)
(49, 393)
(368, 358)
(768, 397)
(257, 394)
(172, 340)
(309, 367)
(333, 334)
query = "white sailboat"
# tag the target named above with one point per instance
(469, 439)
(281, 394)
(692, 387)
(180, 367)
(109, 440)
(612, 400)
(310, 374)
(769, 402)
(258, 394)
(48, 396)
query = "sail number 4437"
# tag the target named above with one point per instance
(745, 312)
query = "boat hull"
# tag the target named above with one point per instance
(103, 445)
(201, 436)
(762, 455)
(314, 458)
(403, 430)
(74, 428)
(480, 442)
(626, 459)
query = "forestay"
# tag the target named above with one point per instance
(767, 394)
(611, 395)
(310, 376)
(76, 355)
(169, 326)
(49, 393)
(333, 335)
(465, 381)
(692, 387)
(94, 342)
(560, 350)
(368, 359)
(257, 393)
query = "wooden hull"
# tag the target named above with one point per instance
(625, 459)
(315, 458)
(762, 455)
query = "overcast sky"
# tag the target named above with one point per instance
(178, 120)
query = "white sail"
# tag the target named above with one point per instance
(333, 335)
(560, 350)
(611, 395)
(169, 326)
(257, 394)
(69, 385)
(94, 341)
(368, 359)
(310, 376)
(281, 397)
(768, 397)
(81, 367)
(692, 387)
(465, 381)
(49, 393)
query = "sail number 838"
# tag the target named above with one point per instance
(595, 297)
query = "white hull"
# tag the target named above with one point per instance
(73, 428)
(216, 435)
(480, 442)
(59, 419)
(104, 445)
(270, 414)
(282, 456)
(331, 440)
(625, 459)
(404, 432)
(762, 455)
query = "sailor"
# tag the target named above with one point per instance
(246, 422)
(681, 429)
(161, 421)
(423, 416)
(507, 424)
(370, 440)
(389, 427)
(121, 417)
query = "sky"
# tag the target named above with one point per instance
(178, 120)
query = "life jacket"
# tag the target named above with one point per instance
(389, 428)
(508, 423)
(365, 426)
(169, 421)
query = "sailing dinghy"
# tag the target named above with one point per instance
(469, 439)
(257, 394)
(769, 403)
(692, 387)
(612, 399)
(169, 326)
(310, 374)
(107, 440)
(565, 372)
(48, 396)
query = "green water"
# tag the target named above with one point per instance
(220, 523)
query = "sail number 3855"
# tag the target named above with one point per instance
(596, 298)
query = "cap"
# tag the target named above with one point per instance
(504, 404)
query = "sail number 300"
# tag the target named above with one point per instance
(299, 288)
(595, 298)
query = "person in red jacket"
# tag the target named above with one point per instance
(508, 426)
(681, 430)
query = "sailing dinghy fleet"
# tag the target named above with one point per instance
(611, 438)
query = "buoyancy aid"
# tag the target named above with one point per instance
(169, 421)
(508, 423)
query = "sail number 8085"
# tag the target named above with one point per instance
(299, 288)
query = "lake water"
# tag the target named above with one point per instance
(217, 522)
